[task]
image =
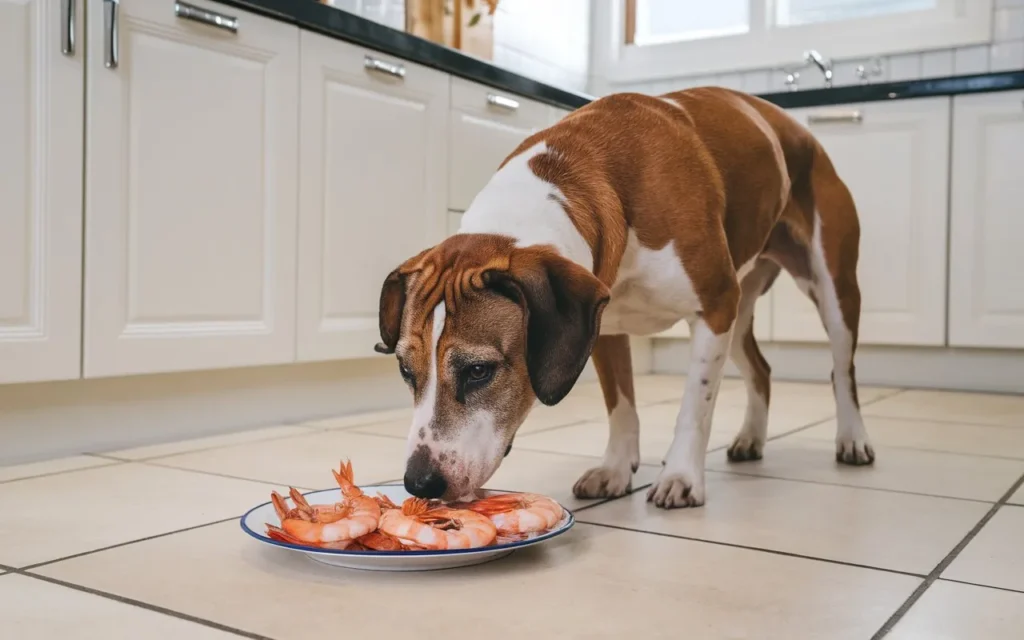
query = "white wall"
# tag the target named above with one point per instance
(546, 40)
(1006, 52)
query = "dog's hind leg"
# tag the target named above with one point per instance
(614, 477)
(749, 442)
(833, 255)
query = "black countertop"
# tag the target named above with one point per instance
(311, 15)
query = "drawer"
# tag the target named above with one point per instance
(485, 126)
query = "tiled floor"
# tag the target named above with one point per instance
(929, 543)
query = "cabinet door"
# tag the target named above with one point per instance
(894, 159)
(374, 159)
(191, 190)
(486, 126)
(40, 191)
(556, 114)
(986, 298)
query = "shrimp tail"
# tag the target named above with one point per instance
(346, 480)
(280, 506)
(300, 501)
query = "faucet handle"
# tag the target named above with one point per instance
(792, 79)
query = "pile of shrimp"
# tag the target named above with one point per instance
(359, 522)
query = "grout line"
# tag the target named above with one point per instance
(225, 475)
(604, 501)
(155, 536)
(144, 605)
(125, 544)
(960, 423)
(944, 563)
(983, 586)
(852, 486)
(787, 554)
(309, 432)
(62, 471)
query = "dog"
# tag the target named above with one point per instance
(629, 215)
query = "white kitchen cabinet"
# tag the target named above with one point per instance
(454, 222)
(986, 296)
(40, 190)
(556, 113)
(374, 160)
(485, 126)
(894, 158)
(191, 189)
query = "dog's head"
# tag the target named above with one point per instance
(482, 329)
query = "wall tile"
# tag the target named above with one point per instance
(756, 81)
(1007, 56)
(968, 60)
(729, 81)
(1001, 4)
(904, 67)
(1009, 25)
(936, 64)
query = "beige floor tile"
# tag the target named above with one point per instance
(564, 589)
(27, 607)
(359, 419)
(55, 516)
(926, 472)
(303, 461)
(995, 557)
(211, 442)
(553, 475)
(46, 467)
(888, 530)
(657, 427)
(949, 611)
(968, 408)
(967, 439)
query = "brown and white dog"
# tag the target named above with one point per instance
(630, 214)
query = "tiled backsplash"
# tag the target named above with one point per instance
(1004, 54)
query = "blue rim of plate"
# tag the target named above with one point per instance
(511, 546)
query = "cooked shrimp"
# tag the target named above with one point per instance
(380, 541)
(327, 525)
(420, 524)
(515, 513)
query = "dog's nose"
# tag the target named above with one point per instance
(429, 485)
(422, 477)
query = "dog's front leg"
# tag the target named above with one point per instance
(681, 483)
(622, 456)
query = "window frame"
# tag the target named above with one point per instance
(954, 23)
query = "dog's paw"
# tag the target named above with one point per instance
(745, 448)
(603, 482)
(675, 490)
(855, 451)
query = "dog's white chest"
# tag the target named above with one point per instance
(651, 292)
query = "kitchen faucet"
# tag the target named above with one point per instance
(825, 66)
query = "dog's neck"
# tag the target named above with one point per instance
(516, 203)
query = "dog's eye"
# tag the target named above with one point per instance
(477, 375)
(407, 374)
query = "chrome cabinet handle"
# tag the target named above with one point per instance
(67, 19)
(373, 64)
(503, 102)
(191, 12)
(110, 28)
(840, 116)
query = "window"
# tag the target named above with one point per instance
(659, 21)
(672, 38)
(794, 12)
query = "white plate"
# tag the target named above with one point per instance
(256, 520)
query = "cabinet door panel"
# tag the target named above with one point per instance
(374, 154)
(191, 207)
(483, 134)
(40, 194)
(987, 218)
(894, 161)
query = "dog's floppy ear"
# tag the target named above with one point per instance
(392, 304)
(562, 305)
